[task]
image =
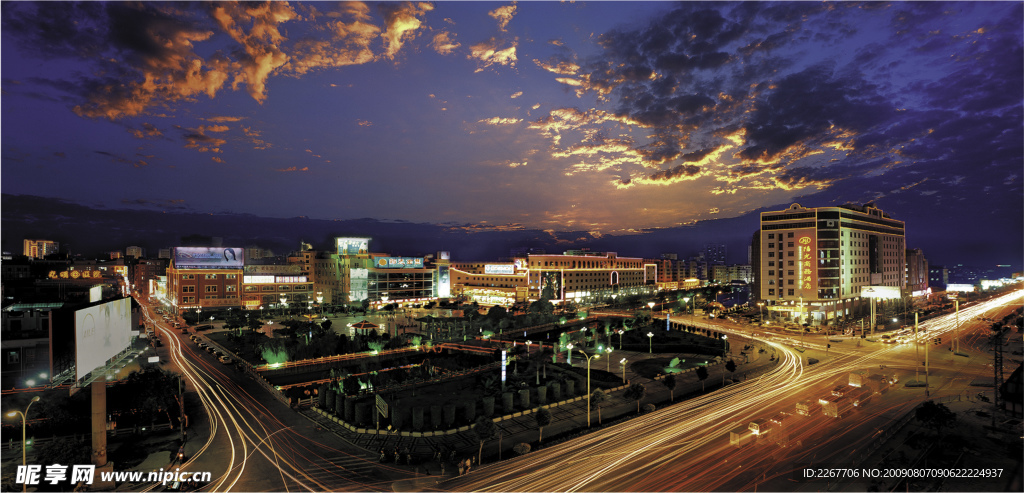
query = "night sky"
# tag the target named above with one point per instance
(606, 117)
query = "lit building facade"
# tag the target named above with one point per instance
(917, 272)
(588, 277)
(267, 286)
(205, 278)
(491, 283)
(815, 261)
(40, 248)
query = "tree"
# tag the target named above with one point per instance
(543, 417)
(597, 398)
(670, 383)
(731, 366)
(936, 416)
(484, 429)
(637, 391)
(702, 374)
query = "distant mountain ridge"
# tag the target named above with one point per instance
(94, 232)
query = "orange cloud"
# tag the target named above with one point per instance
(488, 53)
(496, 120)
(293, 168)
(350, 45)
(261, 43)
(503, 15)
(444, 43)
(402, 21)
(148, 130)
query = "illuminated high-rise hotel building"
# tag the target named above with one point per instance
(814, 262)
(40, 248)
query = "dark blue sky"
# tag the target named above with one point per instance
(607, 117)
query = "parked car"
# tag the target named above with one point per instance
(224, 359)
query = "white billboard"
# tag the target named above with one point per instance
(506, 269)
(880, 292)
(962, 288)
(101, 332)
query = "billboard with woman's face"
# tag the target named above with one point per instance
(208, 258)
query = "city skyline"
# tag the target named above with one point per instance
(611, 118)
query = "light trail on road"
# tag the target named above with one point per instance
(246, 440)
(681, 447)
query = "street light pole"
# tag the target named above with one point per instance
(650, 348)
(24, 419)
(623, 363)
(608, 365)
(588, 379)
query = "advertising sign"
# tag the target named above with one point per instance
(808, 269)
(963, 288)
(506, 269)
(398, 262)
(101, 332)
(353, 246)
(444, 284)
(208, 258)
(880, 292)
(290, 269)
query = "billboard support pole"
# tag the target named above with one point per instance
(99, 421)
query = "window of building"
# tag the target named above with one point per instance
(771, 245)
(771, 273)
(790, 272)
(789, 254)
(771, 236)
(230, 288)
(267, 288)
(771, 292)
(188, 299)
(789, 282)
(211, 289)
(188, 277)
(211, 276)
(771, 254)
(789, 235)
(188, 289)
(771, 263)
(790, 292)
(231, 276)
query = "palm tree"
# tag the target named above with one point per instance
(543, 417)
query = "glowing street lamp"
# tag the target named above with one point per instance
(608, 365)
(620, 331)
(623, 363)
(23, 420)
(528, 343)
(588, 379)
(650, 348)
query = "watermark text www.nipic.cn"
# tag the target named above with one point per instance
(56, 473)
